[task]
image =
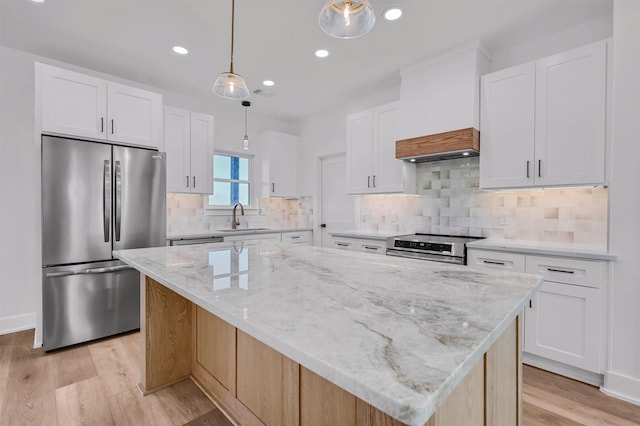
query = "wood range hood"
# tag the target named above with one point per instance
(441, 146)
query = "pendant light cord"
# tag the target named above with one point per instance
(245, 120)
(233, 9)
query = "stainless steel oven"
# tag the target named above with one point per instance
(439, 248)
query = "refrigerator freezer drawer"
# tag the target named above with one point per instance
(90, 301)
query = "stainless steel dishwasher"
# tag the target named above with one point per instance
(189, 241)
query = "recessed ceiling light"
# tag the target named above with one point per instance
(392, 14)
(268, 83)
(38, 1)
(321, 53)
(180, 50)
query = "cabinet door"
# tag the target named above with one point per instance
(564, 324)
(570, 117)
(387, 171)
(201, 154)
(73, 103)
(134, 115)
(359, 152)
(176, 145)
(507, 128)
(283, 160)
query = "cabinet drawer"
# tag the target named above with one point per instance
(371, 246)
(567, 271)
(514, 262)
(303, 237)
(270, 237)
(343, 243)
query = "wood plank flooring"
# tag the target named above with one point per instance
(91, 384)
(96, 384)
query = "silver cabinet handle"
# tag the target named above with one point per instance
(88, 271)
(342, 244)
(374, 181)
(106, 199)
(101, 124)
(493, 262)
(194, 182)
(273, 187)
(564, 271)
(368, 181)
(371, 248)
(295, 237)
(528, 169)
(118, 199)
(112, 126)
(187, 181)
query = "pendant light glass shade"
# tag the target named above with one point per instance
(230, 85)
(346, 19)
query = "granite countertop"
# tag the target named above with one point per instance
(582, 251)
(364, 234)
(239, 231)
(398, 333)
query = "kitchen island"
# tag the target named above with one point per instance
(289, 335)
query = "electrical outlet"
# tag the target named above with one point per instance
(504, 219)
(394, 216)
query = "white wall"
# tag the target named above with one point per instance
(325, 134)
(576, 36)
(20, 251)
(623, 374)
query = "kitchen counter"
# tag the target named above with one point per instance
(397, 333)
(545, 248)
(239, 231)
(363, 234)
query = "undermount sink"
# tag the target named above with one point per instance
(242, 229)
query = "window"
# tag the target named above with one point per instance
(231, 180)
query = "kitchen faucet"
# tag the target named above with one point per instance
(235, 222)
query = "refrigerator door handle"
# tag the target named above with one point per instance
(89, 271)
(118, 199)
(106, 199)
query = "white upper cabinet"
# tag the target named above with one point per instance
(507, 126)
(73, 103)
(79, 105)
(280, 171)
(188, 142)
(372, 166)
(543, 123)
(134, 115)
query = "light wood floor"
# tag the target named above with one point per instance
(95, 384)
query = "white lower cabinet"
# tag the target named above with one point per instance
(564, 320)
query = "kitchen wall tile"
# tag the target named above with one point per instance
(450, 202)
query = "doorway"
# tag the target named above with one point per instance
(336, 207)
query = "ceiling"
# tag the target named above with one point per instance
(275, 39)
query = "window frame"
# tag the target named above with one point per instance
(219, 209)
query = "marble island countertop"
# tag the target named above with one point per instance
(398, 333)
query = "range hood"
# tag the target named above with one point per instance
(442, 146)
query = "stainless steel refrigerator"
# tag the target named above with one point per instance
(96, 197)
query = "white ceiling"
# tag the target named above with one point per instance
(275, 39)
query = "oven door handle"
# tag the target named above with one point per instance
(435, 258)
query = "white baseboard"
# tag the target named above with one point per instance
(17, 323)
(622, 387)
(570, 371)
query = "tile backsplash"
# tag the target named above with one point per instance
(449, 201)
(186, 215)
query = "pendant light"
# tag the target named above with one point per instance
(346, 19)
(245, 140)
(230, 85)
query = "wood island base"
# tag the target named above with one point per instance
(255, 384)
